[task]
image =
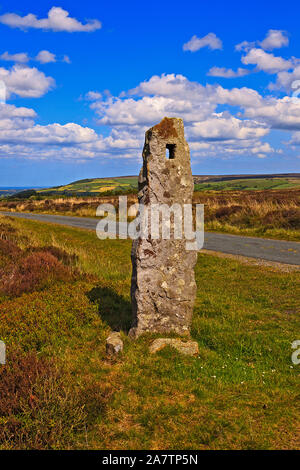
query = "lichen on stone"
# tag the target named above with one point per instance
(166, 128)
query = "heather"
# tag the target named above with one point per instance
(59, 390)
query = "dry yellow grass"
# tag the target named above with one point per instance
(268, 213)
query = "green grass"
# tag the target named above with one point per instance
(242, 392)
(100, 186)
(245, 184)
(93, 187)
(259, 231)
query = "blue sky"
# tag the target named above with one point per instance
(84, 80)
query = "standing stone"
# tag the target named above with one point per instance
(163, 284)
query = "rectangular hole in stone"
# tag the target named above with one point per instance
(170, 151)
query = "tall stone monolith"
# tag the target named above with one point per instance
(163, 284)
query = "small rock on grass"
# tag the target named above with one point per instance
(189, 348)
(2, 352)
(114, 344)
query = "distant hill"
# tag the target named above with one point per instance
(123, 184)
(246, 182)
(95, 187)
(7, 191)
(129, 184)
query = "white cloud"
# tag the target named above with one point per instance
(210, 130)
(11, 111)
(295, 140)
(266, 62)
(57, 20)
(169, 95)
(210, 40)
(174, 95)
(44, 57)
(93, 95)
(20, 136)
(275, 39)
(227, 73)
(51, 134)
(242, 97)
(21, 57)
(281, 113)
(222, 127)
(231, 149)
(193, 94)
(245, 46)
(287, 81)
(25, 81)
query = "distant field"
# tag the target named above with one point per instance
(129, 184)
(110, 186)
(245, 184)
(95, 187)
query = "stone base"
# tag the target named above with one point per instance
(114, 344)
(189, 348)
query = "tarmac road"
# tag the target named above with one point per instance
(271, 250)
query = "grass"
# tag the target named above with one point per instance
(242, 392)
(249, 184)
(98, 186)
(95, 186)
(267, 213)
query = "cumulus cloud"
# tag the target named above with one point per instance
(44, 57)
(245, 46)
(211, 129)
(170, 95)
(231, 149)
(227, 73)
(21, 136)
(281, 113)
(15, 119)
(275, 39)
(21, 57)
(266, 62)
(295, 140)
(226, 127)
(51, 134)
(58, 19)
(8, 111)
(287, 71)
(25, 81)
(287, 81)
(179, 88)
(93, 95)
(210, 40)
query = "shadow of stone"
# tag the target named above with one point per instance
(113, 309)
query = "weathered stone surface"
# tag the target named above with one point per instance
(163, 284)
(114, 343)
(190, 348)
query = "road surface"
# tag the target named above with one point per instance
(262, 248)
